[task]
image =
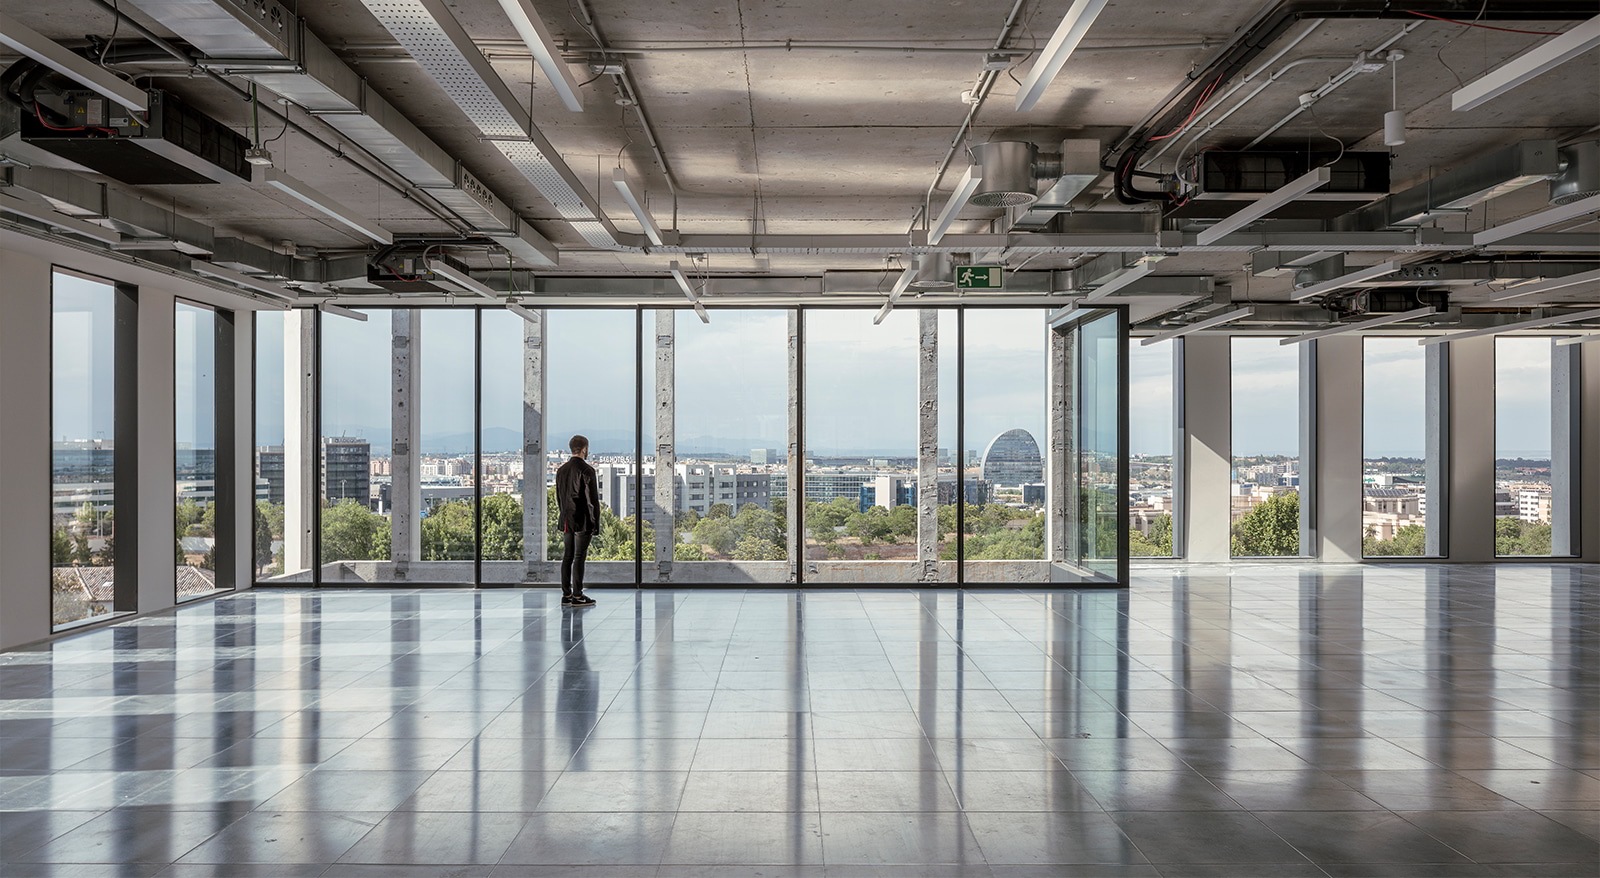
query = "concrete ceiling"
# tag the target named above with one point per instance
(771, 122)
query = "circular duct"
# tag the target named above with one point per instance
(935, 271)
(1007, 173)
(1580, 173)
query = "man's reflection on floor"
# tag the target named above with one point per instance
(578, 701)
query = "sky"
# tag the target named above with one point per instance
(732, 386)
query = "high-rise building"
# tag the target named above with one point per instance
(1013, 460)
(763, 455)
(269, 468)
(346, 469)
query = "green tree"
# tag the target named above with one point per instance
(1272, 528)
(780, 508)
(80, 550)
(871, 526)
(262, 536)
(1513, 536)
(60, 547)
(903, 522)
(719, 510)
(688, 552)
(447, 532)
(502, 528)
(1157, 543)
(752, 548)
(718, 534)
(1408, 541)
(350, 532)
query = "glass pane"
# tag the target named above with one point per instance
(1099, 518)
(269, 443)
(448, 463)
(83, 371)
(1007, 415)
(356, 423)
(861, 444)
(591, 358)
(1150, 410)
(1266, 447)
(503, 465)
(1394, 501)
(195, 422)
(1522, 419)
(732, 423)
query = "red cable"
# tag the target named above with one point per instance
(1204, 96)
(1509, 30)
(38, 113)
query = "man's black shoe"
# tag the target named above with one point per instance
(579, 600)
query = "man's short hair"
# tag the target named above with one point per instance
(578, 443)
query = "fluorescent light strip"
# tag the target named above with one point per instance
(1579, 339)
(901, 283)
(1068, 34)
(967, 185)
(1536, 61)
(1555, 320)
(315, 199)
(240, 279)
(883, 312)
(1208, 323)
(700, 310)
(1127, 278)
(1345, 280)
(1264, 205)
(538, 40)
(1537, 221)
(70, 64)
(524, 313)
(339, 311)
(619, 178)
(461, 279)
(1360, 325)
(48, 216)
(683, 281)
(1545, 286)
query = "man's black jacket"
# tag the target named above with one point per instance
(578, 495)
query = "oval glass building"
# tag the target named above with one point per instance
(1012, 460)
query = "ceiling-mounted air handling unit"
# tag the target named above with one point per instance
(1213, 179)
(1014, 172)
(407, 271)
(1580, 173)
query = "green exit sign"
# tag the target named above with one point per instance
(980, 277)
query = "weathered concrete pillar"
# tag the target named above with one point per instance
(300, 445)
(405, 410)
(1335, 469)
(665, 507)
(796, 463)
(1208, 447)
(534, 503)
(1471, 501)
(1310, 472)
(1058, 452)
(928, 445)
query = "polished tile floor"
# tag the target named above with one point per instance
(1415, 721)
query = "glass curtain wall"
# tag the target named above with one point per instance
(356, 369)
(1151, 390)
(506, 480)
(1266, 447)
(1524, 453)
(1395, 459)
(447, 460)
(195, 431)
(269, 545)
(1006, 427)
(1098, 347)
(860, 432)
(732, 425)
(83, 451)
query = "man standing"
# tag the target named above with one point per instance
(578, 495)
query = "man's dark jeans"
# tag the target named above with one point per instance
(573, 555)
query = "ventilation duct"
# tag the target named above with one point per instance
(1580, 173)
(934, 271)
(1012, 173)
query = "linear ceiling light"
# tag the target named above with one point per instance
(339, 311)
(967, 185)
(1545, 286)
(48, 216)
(315, 199)
(683, 281)
(461, 279)
(700, 311)
(1536, 221)
(1556, 320)
(70, 64)
(1536, 61)
(1264, 205)
(1345, 280)
(525, 313)
(1360, 325)
(537, 37)
(619, 178)
(1066, 38)
(1579, 339)
(240, 279)
(1207, 323)
(1126, 278)
(901, 283)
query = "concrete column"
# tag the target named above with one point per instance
(243, 450)
(1437, 470)
(25, 448)
(1310, 474)
(1339, 441)
(1566, 448)
(1207, 447)
(405, 494)
(157, 443)
(1058, 455)
(534, 502)
(1587, 525)
(665, 507)
(795, 503)
(300, 442)
(1471, 499)
(928, 445)
(1180, 489)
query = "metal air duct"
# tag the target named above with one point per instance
(1008, 173)
(934, 271)
(1580, 173)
